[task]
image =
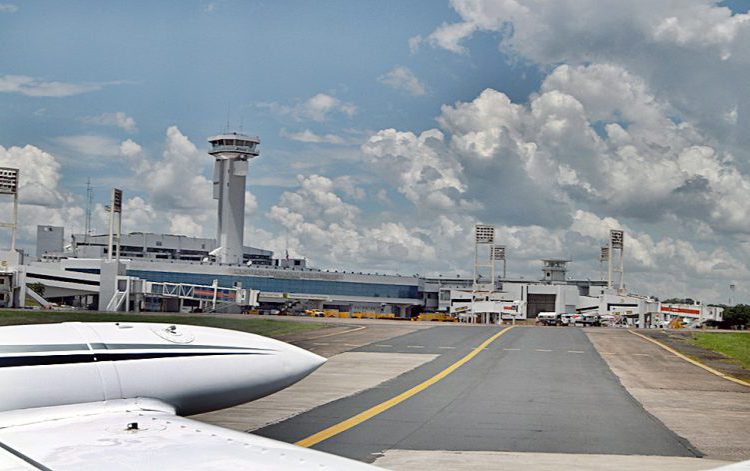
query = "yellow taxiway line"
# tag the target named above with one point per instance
(694, 362)
(384, 406)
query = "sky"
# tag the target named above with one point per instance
(388, 129)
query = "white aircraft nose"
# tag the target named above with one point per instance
(299, 362)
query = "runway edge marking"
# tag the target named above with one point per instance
(384, 406)
(690, 360)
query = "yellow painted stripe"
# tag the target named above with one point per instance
(384, 406)
(694, 362)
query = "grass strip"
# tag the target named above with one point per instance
(733, 345)
(252, 324)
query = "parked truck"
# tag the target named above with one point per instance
(548, 318)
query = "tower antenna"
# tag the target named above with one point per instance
(229, 109)
(286, 246)
(89, 203)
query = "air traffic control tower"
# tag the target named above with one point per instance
(231, 151)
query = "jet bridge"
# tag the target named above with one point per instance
(211, 298)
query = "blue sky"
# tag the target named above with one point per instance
(195, 64)
(553, 120)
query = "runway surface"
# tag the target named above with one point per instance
(530, 390)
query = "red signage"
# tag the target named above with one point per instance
(680, 310)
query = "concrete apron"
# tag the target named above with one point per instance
(403, 460)
(343, 375)
(713, 414)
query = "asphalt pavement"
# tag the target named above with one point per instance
(541, 390)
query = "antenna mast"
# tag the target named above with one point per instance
(89, 202)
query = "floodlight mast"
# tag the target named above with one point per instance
(9, 186)
(231, 152)
(115, 207)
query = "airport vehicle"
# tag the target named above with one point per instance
(569, 318)
(585, 319)
(111, 396)
(548, 318)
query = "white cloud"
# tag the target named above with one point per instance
(41, 198)
(693, 54)
(35, 87)
(137, 215)
(176, 181)
(351, 186)
(317, 108)
(185, 224)
(401, 78)
(130, 148)
(310, 137)
(8, 8)
(118, 119)
(251, 204)
(449, 36)
(331, 232)
(39, 176)
(651, 167)
(91, 145)
(420, 166)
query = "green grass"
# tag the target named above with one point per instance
(733, 345)
(252, 324)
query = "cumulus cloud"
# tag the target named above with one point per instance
(401, 78)
(310, 137)
(41, 197)
(175, 182)
(351, 186)
(130, 148)
(639, 163)
(419, 164)
(322, 225)
(36, 87)
(693, 54)
(546, 30)
(316, 108)
(118, 119)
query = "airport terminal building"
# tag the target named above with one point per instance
(157, 258)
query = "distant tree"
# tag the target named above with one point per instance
(738, 315)
(678, 301)
(38, 288)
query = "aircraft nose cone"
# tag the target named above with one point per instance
(299, 362)
(303, 361)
